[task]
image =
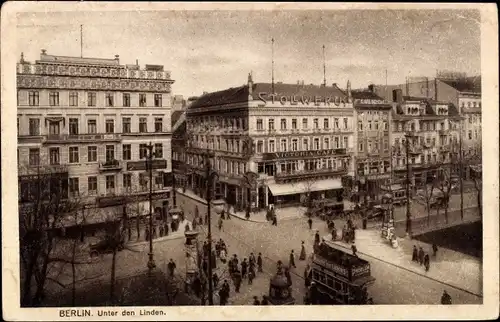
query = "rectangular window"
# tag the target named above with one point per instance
(110, 184)
(143, 125)
(360, 147)
(143, 151)
(158, 124)
(283, 145)
(126, 99)
(325, 124)
(369, 125)
(326, 143)
(74, 188)
(34, 126)
(283, 124)
(295, 145)
(316, 123)
(294, 124)
(259, 124)
(316, 144)
(73, 98)
(91, 98)
(337, 142)
(34, 98)
(73, 126)
(54, 156)
(260, 146)
(54, 98)
(92, 185)
(376, 125)
(158, 100)
(110, 126)
(110, 99)
(304, 123)
(271, 146)
(91, 126)
(346, 142)
(127, 181)
(142, 100)
(345, 122)
(18, 126)
(92, 153)
(127, 151)
(158, 150)
(126, 125)
(54, 128)
(360, 125)
(73, 154)
(110, 153)
(305, 144)
(336, 123)
(271, 124)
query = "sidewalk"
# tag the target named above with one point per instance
(449, 267)
(260, 216)
(172, 235)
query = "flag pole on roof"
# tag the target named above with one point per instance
(272, 64)
(324, 67)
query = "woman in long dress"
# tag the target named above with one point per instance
(223, 255)
(302, 252)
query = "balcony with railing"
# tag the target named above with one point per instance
(310, 173)
(80, 138)
(443, 132)
(111, 165)
(42, 169)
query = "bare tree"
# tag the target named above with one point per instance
(44, 210)
(428, 194)
(445, 185)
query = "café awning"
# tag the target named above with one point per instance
(284, 189)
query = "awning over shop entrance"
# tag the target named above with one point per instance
(302, 187)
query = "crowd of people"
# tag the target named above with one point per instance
(419, 256)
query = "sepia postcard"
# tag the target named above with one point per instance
(249, 161)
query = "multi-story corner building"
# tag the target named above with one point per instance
(373, 147)
(297, 140)
(432, 128)
(92, 119)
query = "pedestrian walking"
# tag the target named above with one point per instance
(166, 228)
(171, 267)
(215, 279)
(354, 250)
(161, 231)
(421, 256)
(264, 300)
(334, 234)
(414, 256)
(237, 281)
(244, 268)
(223, 255)
(205, 266)
(251, 275)
(427, 262)
(259, 263)
(222, 297)
(220, 223)
(256, 300)
(251, 260)
(316, 238)
(446, 298)
(310, 223)
(302, 252)
(275, 221)
(307, 280)
(434, 250)
(223, 214)
(292, 259)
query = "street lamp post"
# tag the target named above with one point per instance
(151, 262)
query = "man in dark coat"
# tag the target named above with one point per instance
(205, 266)
(316, 238)
(288, 276)
(171, 267)
(259, 263)
(414, 256)
(354, 250)
(310, 223)
(427, 262)
(275, 220)
(421, 255)
(264, 300)
(251, 260)
(256, 300)
(434, 250)
(237, 281)
(446, 298)
(251, 275)
(244, 268)
(166, 229)
(215, 280)
(292, 259)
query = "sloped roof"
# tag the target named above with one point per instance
(175, 116)
(469, 84)
(227, 96)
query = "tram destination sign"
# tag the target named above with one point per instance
(142, 165)
(356, 271)
(304, 154)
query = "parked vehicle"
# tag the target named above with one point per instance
(105, 246)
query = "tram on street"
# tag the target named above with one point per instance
(338, 277)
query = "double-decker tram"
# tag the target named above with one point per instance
(338, 277)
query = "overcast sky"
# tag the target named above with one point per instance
(210, 51)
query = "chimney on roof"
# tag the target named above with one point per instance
(137, 62)
(44, 52)
(334, 85)
(250, 86)
(397, 95)
(371, 88)
(117, 57)
(22, 58)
